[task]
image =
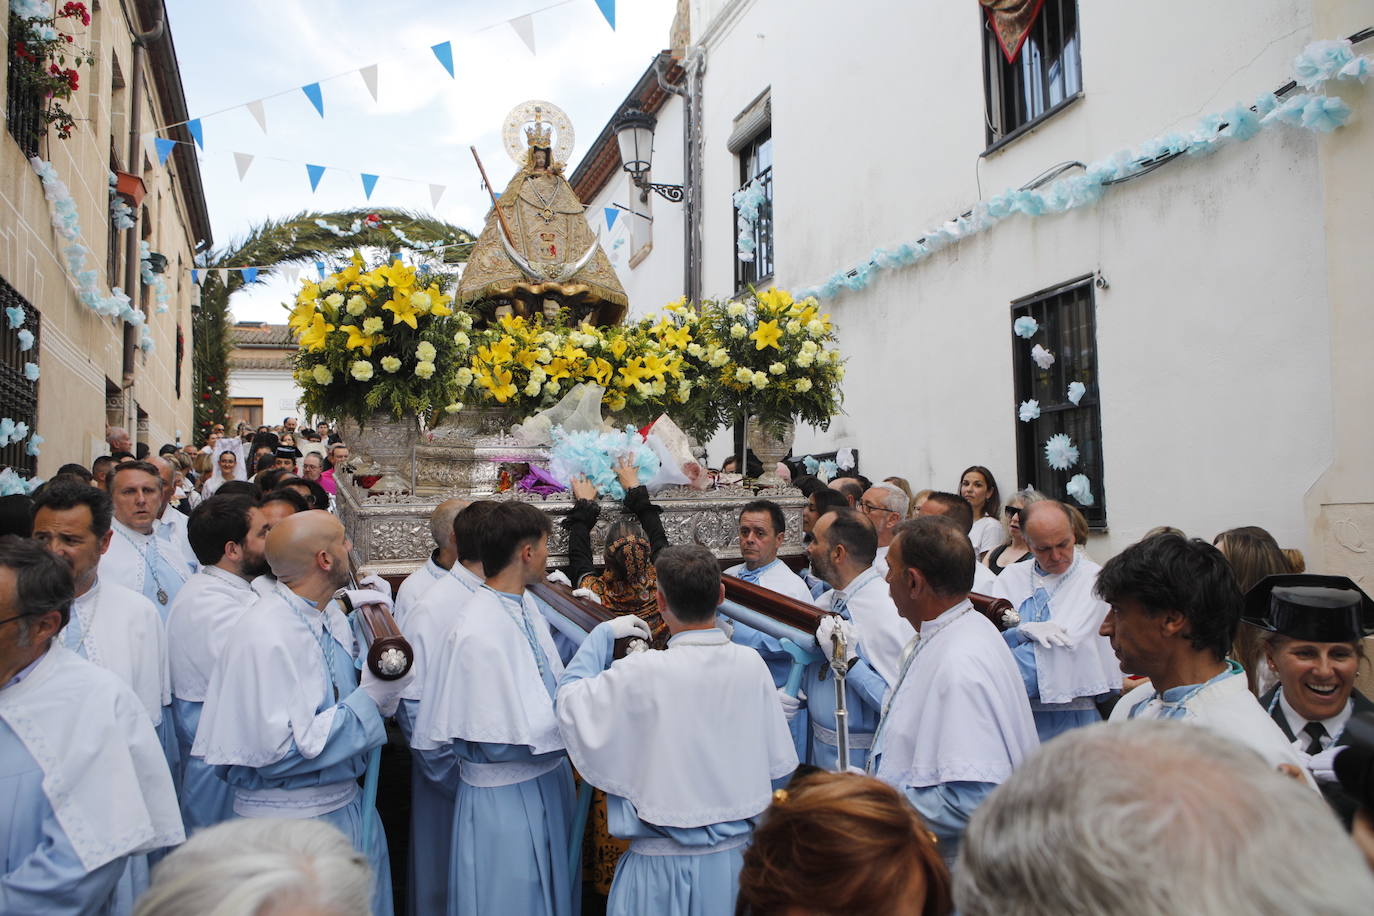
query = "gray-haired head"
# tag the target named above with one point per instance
(260, 866)
(1151, 818)
(441, 522)
(892, 497)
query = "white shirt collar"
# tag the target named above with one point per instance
(465, 576)
(1296, 723)
(136, 535)
(711, 637)
(225, 575)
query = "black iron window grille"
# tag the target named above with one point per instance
(18, 395)
(1046, 74)
(756, 166)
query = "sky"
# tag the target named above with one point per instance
(423, 121)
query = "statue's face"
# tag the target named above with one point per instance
(541, 158)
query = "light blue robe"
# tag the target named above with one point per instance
(41, 871)
(433, 790)
(864, 690)
(1048, 722)
(946, 809)
(356, 729)
(206, 799)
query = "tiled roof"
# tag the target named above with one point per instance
(265, 362)
(254, 334)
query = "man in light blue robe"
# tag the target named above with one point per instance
(86, 789)
(434, 774)
(229, 535)
(488, 705)
(684, 783)
(285, 721)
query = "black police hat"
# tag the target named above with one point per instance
(1310, 607)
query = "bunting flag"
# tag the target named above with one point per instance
(436, 191)
(195, 277)
(250, 274)
(316, 97)
(611, 214)
(369, 182)
(316, 172)
(150, 145)
(319, 265)
(524, 27)
(369, 75)
(197, 132)
(291, 273)
(259, 113)
(444, 51)
(164, 149)
(223, 275)
(242, 161)
(607, 8)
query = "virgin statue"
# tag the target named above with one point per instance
(536, 252)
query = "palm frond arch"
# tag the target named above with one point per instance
(292, 240)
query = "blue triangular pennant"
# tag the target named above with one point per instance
(395, 256)
(319, 265)
(369, 182)
(316, 172)
(195, 277)
(444, 51)
(164, 149)
(250, 274)
(312, 92)
(197, 131)
(607, 8)
(611, 214)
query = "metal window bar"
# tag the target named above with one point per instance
(1067, 320)
(1045, 73)
(23, 108)
(18, 395)
(761, 268)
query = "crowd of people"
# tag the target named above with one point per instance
(189, 726)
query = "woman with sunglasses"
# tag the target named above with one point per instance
(1015, 549)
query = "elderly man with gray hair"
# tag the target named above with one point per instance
(1154, 818)
(885, 505)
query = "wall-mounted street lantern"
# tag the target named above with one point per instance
(634, 132)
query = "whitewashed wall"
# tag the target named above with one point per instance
(279, 392)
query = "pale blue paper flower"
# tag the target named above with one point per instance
(1076, 392)
(1289, 112)
(34, 442)
(31, 371)
(595, 455)
(1060, 452)
(827, 471)
(11, 484)
(1320, 61)
(20, 431)
(1241, 123)
(25, 340)
(1025, 326)
(1357, 69)
(811, 464)
(1080, 489)
(1325, 113)
(1043, 358)
(1030, 410)
(15, 314)
(6, 431)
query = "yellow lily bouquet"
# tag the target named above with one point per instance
(383, 339)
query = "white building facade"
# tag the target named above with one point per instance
(262, 389)
(1215, 309)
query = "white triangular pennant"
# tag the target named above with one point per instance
(369, 75)
(224, 275)
(149, 146)
(436, 191)
(242, 161)
(291, 274)
(524, 27)
(259, 113)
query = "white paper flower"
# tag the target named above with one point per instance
(1025, 326)
(1060, 452)
(1043, 358)
(1076, 392)
(1030, 410)
(844, 459)
(1080, 489)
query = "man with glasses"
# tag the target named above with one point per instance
(886, 506)
(74, 739)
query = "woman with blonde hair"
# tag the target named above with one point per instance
(1253, 554)
(842, 843)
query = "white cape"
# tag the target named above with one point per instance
(430, 619)
(1089, 667)
(122, 632)
(203, 615)
(268, 683)
(960, 714)
(483, 683)
(103, 769)
(650, 729)
(883, 633)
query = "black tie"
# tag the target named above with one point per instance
(1316, 731)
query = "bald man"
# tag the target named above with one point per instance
(285, 721)
(440, 561)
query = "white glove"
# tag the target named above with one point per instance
(628, 625)
(790, 704)
(361, 596)
(1322, 766)
(376, 583)
(1047, 633)
(559, 576)
(826, 630)
(386, 694)
(586, 593)
(725, 625)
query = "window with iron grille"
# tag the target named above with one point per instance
(23, 103)
(1045, 74)
(756, 165)
(18, 395)
(1068, 330)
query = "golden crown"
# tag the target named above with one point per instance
(539, 134)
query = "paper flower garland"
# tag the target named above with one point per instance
(1076, 392)
(31, 371)
(1060, 452)
(1043, 358)
(11, 484)
(1080, 489)
(1025, 326)
(827, 471)
(1030, 410)
(25, 340)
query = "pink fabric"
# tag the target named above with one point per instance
(327, 481)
